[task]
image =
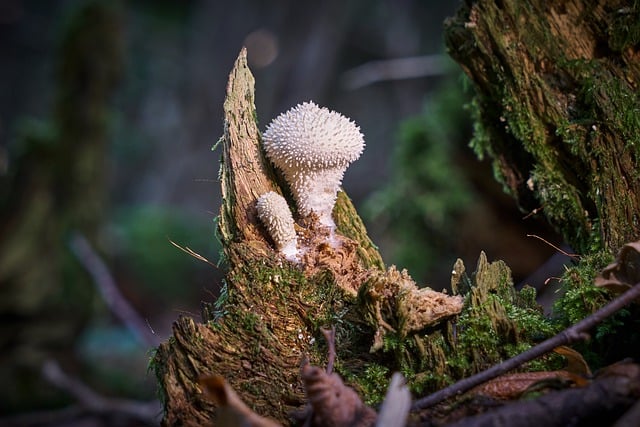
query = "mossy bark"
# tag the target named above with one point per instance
(557, 109)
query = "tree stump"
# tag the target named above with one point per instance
(268, 315)
(557, 109)
(270, 311)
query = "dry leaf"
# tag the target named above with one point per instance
(232, 411)
(624, 272)
(511, 386)
(575, 362)
(334, 404)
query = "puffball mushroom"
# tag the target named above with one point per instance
(274, 213)
(313, 147)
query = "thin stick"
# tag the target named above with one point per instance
(148, 412)
(105, 283)
(554, 246)
(188, 250)
(572, 334)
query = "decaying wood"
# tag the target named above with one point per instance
(557, 109)
(600, 403)
(270, 310)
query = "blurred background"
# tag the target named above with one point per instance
(108, 114)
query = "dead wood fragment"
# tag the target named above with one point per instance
(600, 403)
(395, 304)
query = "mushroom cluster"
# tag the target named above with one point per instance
(313, 147)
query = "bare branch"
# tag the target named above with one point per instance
(577, 332)
(112, 296)
(148, 412)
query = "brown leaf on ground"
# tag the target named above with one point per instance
(603, 401)
(512, 386)
(334, 404)
(232, 411)
(624, 272)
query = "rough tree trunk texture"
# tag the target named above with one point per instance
(558, 109)
(268, 316)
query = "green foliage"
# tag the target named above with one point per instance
(580, 298)
(377, 379)
(427, 191)
(611, 340)
(624, 30)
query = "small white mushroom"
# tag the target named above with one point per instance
(274, 213)
(313, 147)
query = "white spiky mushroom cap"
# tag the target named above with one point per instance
(313, 147)
(274, 213)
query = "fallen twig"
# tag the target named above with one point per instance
(112, 296)
(599, 403)
(148, 412)
(577, 332)
(574, 256)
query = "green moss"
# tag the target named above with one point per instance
(580, 297)
(615, 338)
(496, 323)
(371, 382)
(572, 125)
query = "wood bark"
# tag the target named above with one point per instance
(557, 109)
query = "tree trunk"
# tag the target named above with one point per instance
(557, 109)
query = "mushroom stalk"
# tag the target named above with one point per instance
(316, 191)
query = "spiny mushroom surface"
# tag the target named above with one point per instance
(313, 147)
(274, 213)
